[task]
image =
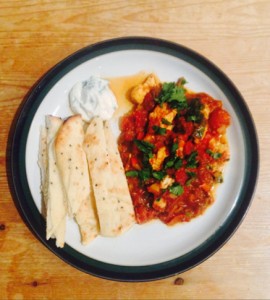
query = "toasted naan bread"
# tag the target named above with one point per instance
(120, 187)
(43, 165)
(56, 203)
(109, 205)
(72, 164)
(87, 220)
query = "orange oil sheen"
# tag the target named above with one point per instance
(121, 87)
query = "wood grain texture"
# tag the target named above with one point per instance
(235, 35)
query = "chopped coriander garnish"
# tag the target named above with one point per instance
(192, 118)
(176, 189)
(175, 162)
(144, 174)
(169, 163)
(191, 176)
(145, 159)
(144, 146)
(178, 163)
(174, 147)
(192, 160)
(165, 121)
(188, 182)
(159, 130)
(172, 94)
(132, 173)
(172, 160)
(194, 113)
(159, 175)
(215, 155)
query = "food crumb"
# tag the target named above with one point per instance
(35, 283)
(179, 281)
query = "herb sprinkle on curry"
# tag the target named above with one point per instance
(173, 146)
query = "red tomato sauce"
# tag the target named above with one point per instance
(173, 158)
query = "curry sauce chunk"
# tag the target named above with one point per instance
(173, 146)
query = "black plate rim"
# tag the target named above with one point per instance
(100, 269)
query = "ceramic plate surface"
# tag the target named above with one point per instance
(154, 250)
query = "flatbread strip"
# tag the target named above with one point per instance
(110, 207)
(56, 204)
(87, 220)
(120, 187)
(43, 165)
(72, 163)
(71, 160)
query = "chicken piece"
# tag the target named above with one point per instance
(169, 118)
(219, 145)
(139, 92)
(166, 182)
(158, 158)
(161, 115)
(159, 204)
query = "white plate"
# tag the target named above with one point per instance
(153, 248)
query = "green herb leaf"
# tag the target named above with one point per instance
(159, 175)
(191, 176)
(173, 161)
(176, 189)
(188, 182)
(178, 94)
(172, 94)
(165, 122)
(179, 105)
(159, 130)
(132, 173)
(144, 174)
(169, 163)
(178, 163)
(194, 113)
(215, 155)
(174, 147)
(192, 160)
(144, 146)
(145, 159)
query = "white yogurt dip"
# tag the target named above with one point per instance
(92, 98)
